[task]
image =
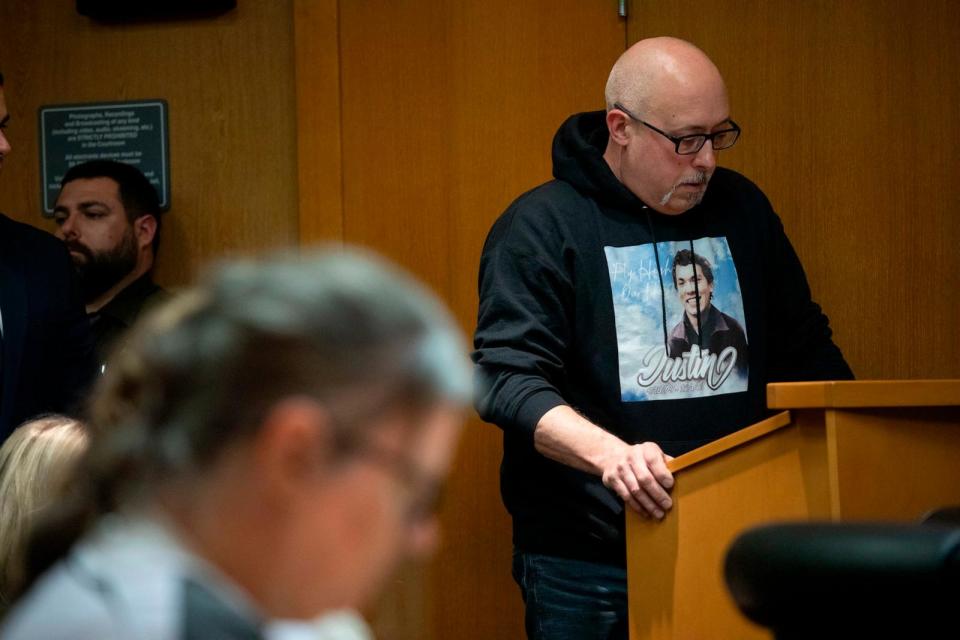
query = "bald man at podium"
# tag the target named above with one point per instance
(577, 304)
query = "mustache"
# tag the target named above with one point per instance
(699, 178)
(76, 247)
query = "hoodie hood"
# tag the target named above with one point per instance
(578, 160)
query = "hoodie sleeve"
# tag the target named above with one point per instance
(523, 325)
(801, 347)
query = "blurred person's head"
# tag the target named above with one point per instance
(294, 418)
(36, 462)
(108, 214)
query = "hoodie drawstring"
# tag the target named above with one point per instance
(663, 295)
(696, 289)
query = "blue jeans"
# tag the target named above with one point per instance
(571, 599)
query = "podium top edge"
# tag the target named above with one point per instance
(863, 393)
(730, 442)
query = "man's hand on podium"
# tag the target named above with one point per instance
(638, 474)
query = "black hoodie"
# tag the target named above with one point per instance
(578, 305)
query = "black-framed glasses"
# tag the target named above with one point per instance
(690, 144)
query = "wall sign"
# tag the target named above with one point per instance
(134, 132)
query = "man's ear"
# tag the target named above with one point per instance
(293, 445)
(617, 126)
(145, 228)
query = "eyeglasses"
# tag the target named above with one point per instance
(690, 144)
(426, 489)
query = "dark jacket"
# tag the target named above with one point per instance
(47, 362)
(111, 323)
(720, 331)
(548, 331)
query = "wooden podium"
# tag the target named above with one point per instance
(879, 450)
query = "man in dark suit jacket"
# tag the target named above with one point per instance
(46, 351)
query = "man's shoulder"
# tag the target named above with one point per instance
(552, 208)
(152, 296)
(140, 296)
(552, 198)
(733, 179)
(147, 290)
(123, 578)
(740, 201)
(59, 607)
(33, 252)
(25, 238)
(731, 184)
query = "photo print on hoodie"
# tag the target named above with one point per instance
(662, 353)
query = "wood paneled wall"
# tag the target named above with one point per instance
(319, 156)
(229, 82)
(849, 112)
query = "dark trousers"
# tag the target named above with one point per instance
(571, 599)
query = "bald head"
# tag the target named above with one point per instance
(662, 67)
(666, 89)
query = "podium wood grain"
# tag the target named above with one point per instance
(843, 460)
